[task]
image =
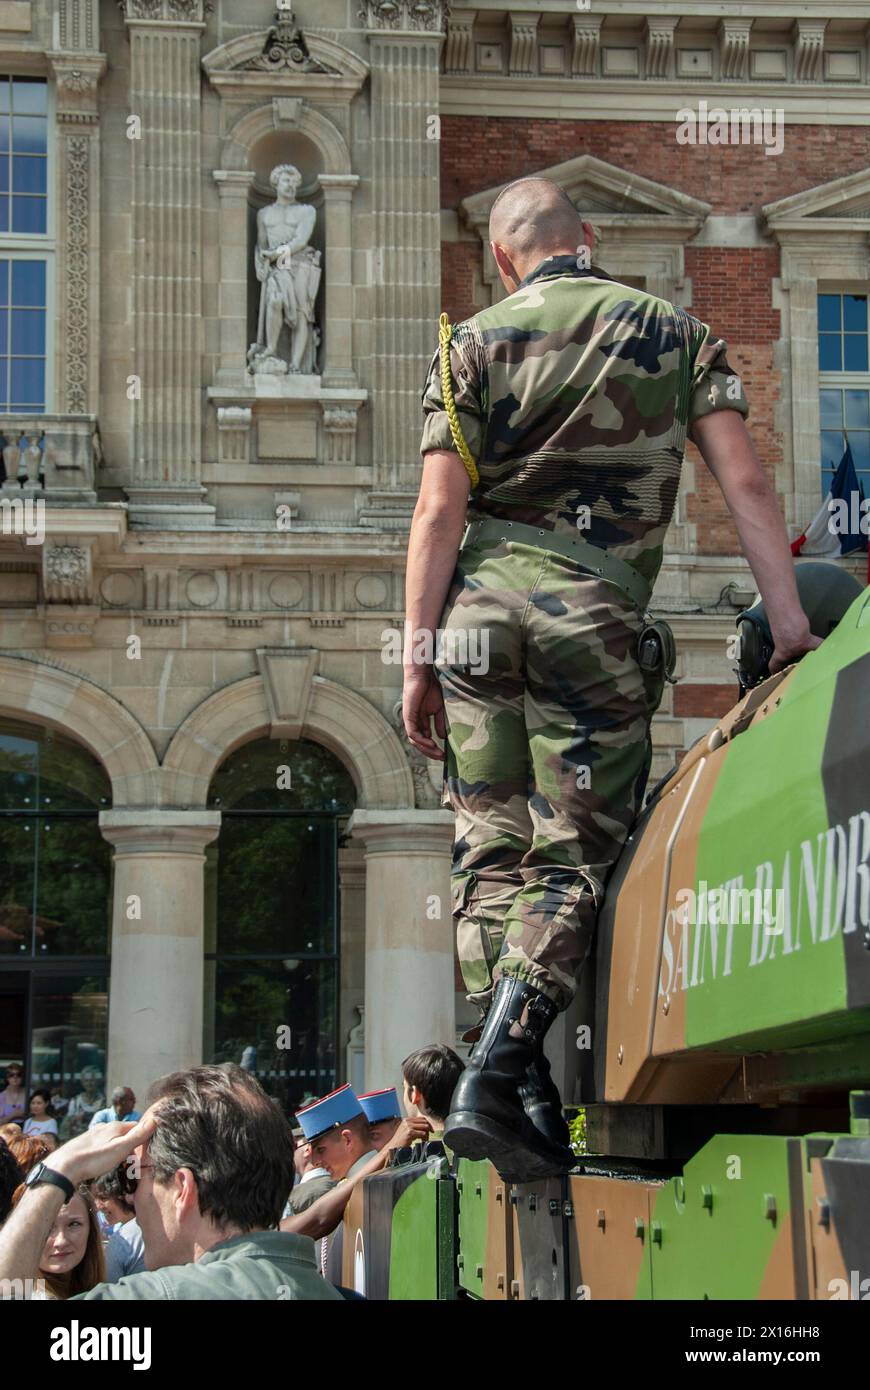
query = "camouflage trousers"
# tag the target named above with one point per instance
(548, 753)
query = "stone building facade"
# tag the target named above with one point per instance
(205, 618)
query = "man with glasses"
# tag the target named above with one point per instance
(209, 1166)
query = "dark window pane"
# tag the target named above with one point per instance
(70, 1014)
(855, 352)
(17, 867)
(276, 885)
(831, 407)
(28, 332)
(5, 93)
(830, 359)
(73, 903)
(855, 313)
(859, 443)
(249, 779)
(4, 213)
(27, 383)
(28, 173)
(5, 130)
(28, 284)
(19, 766)
(4, 172)
(4, 282)
(832, 451)
(857, 409)
(829, 313)
(28, 215)
(29, 96)
(4, 334)
(247, 1004)
(29, 134)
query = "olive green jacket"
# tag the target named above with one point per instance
(259, 1265)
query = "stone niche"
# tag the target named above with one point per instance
(285, 394)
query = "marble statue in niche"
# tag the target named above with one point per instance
(289, 272)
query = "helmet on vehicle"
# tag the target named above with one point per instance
(825, 591)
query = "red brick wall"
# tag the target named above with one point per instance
(731, 288)
(704, 701)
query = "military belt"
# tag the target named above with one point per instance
(588, 557)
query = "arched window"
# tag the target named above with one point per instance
(272, 930)
(55, 916)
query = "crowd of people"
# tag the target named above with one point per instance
(211, 1193)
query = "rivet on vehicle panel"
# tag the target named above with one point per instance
(639, 1226)
(460, 1261)
(666, 1004)
(499, 1281)
(555, 1204)
(515, 1288)
(599, 1217)
(499, 1194)
(478, 1189)
(533, 1202)
(568, 1209)
(770, 1207)
(707, 1197)
(478, 1271)
(824, 1212)
(655, 1228)
(620, 1054)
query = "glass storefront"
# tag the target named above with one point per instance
(55, 918)
(271, 929)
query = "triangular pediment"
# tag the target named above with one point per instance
(844, 198)
(287, 55)
(604, 191)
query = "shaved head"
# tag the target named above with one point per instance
(534, 218)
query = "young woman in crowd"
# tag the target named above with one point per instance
(72, 1259)
(12, 1099)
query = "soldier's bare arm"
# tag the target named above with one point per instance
(729, 453)
(433, 545)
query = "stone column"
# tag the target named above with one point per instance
(409, 997)
(405, 39)
(233, 186)
(337, 366)
(352, 917)
(156, 994)
(165, 81)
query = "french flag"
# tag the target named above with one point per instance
(841, 524)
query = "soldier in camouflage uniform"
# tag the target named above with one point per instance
(574, 396)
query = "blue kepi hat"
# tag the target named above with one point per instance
(381, 1105)
(330, 1112)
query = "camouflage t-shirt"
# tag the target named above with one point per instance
(574, 395)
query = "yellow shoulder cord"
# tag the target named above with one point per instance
(445, 333)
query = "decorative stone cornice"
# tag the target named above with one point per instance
(524, 32)
(242, 69)
(660, 46)
(586, 41)
(164, 11)
(458, 50)
(734, 41)
(809, 48)
(408, 16)
(77, 78)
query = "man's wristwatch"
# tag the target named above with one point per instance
(42, 1173)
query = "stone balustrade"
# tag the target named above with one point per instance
(54, 455)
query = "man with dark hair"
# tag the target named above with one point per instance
(430, 1075)
(212, 1159)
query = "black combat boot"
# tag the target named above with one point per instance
(543, 1104)
(487, 1118)
(539, 1094)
